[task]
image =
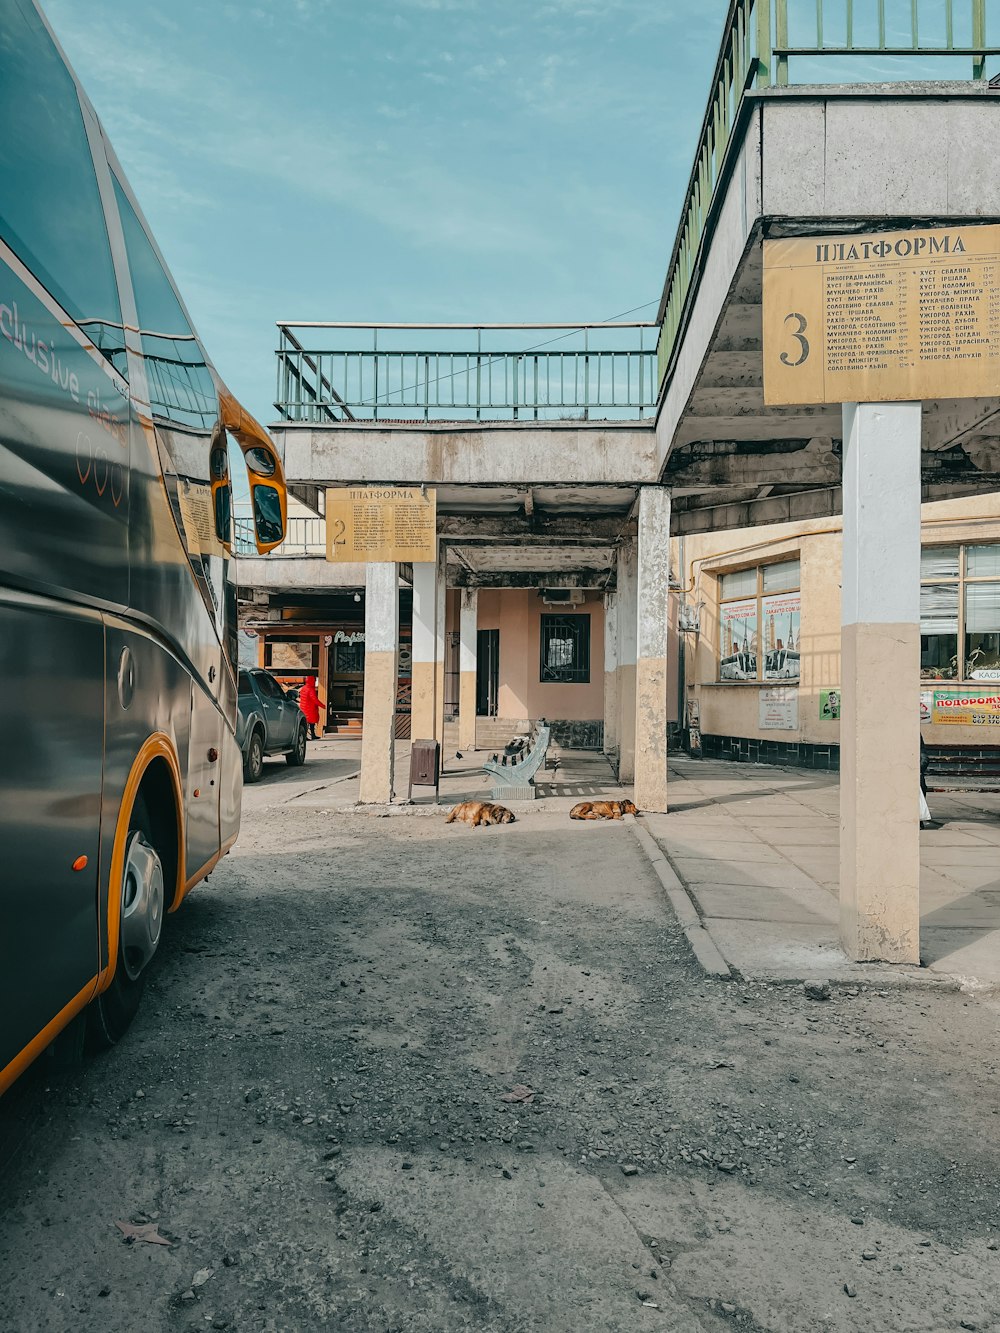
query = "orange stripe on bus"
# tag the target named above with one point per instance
(48, 1034)
(158, 745)
(206, 869)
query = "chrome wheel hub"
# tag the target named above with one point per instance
(142, 905)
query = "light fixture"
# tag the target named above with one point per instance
(357, 597)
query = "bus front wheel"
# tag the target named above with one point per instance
(142, 908)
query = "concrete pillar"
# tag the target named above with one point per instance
(440, 612)
(627, 631)
(381, 651)
(468, 627)
(422, 670)
(610, 673)
(651, 650)
(880, 667)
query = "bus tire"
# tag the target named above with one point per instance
(253, 760)
(296, 756)
(143, 907)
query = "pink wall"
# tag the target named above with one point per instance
(517, 614)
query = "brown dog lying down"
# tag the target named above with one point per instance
(480, 812)
(602, 810)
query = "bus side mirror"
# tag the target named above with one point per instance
(268, 520)
(268, 497)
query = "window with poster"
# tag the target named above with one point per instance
(960, 604)
(759, 623)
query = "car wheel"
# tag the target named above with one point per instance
(296, 757)
(142, 909)
(253, 760)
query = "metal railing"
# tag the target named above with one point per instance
(457, 372)
(305, 536)
(760, 40)
(243, 539)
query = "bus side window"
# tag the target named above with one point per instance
(181, 389)
(51, 214)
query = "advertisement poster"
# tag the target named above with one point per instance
(926, 705)
(781, 635)
(829, 705)
(779, 710)
(967, 708)
(738, 630)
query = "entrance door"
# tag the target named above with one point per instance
(345, 686)
(487, 672)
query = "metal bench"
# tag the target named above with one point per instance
(516, 781)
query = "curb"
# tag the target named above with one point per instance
(705, 949)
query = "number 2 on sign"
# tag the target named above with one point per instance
(800, 338)
(339, 528)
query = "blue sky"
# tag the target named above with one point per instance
(398, 159)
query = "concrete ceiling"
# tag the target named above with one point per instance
(550, 500)
(543, 559)
(734, 462)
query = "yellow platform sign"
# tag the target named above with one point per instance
(381, 523)
(898, 316)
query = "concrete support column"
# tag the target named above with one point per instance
(627, 631)
(422, 670)
(651, 650)
(440, 608)
(880, 668)
(381, 653)
(468, 628)
(610, 673)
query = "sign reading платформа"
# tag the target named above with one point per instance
(898, 316)
(381, 523)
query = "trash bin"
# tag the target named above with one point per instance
(425, 765)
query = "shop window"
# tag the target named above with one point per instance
(960, 604)
(292, 654)
(565, 649)
(759, 622)
(349, 657)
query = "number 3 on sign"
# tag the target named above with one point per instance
(799, 336)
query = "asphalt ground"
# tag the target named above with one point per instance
(311, 1109)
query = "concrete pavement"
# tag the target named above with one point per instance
(754, 846)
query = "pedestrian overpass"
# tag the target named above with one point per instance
(569, 454)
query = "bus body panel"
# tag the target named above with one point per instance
(52, 658)
(117, 618)
(231, 793)
(202, 794)
(64, 474)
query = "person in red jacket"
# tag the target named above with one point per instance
(309, 703)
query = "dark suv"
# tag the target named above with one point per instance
(269, 722)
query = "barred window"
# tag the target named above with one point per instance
(565, 649)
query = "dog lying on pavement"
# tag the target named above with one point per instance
(474, 813)
(602, 810)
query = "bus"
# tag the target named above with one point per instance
(120, 775)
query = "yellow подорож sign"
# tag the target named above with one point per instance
(388, 523)
(898, 316)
